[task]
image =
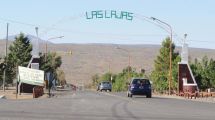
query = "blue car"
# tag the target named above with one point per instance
(104, 86)
(139, 86)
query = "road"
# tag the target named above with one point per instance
(89, 105)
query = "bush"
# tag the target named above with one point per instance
(120, 80)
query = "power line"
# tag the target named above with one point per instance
(145, 18)
(141, 17)
(18, 22)
(200, 41)
(63, 20)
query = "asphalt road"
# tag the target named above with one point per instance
(88, 105)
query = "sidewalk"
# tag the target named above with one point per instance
(205, 99)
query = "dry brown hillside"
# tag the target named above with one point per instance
(89, 59)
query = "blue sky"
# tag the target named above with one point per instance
(67, 17)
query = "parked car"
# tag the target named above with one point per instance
(139, 86)
(104, 86)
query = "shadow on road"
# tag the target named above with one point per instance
(144, 97)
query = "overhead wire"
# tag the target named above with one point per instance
(53, 27)
(63, 20)
(140, 17)
(18, 22)
(201, 41)
(145, 18)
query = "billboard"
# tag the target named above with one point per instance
(31, 76)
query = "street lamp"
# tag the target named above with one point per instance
(170, 53)
(129, 59)
(109, 69)
(48, 40)
(46, 56)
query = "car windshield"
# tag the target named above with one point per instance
(105, 82)
(140, 81)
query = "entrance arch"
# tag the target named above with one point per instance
(123, 15)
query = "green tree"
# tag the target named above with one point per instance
(196, 69)
(50, 63)
(160, 74)
(1, 71)
(204, 73)
(19, 55)
(120, 80)
(106, 77)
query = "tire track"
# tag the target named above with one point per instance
(123, 105)
(115, 111)
(129, 113)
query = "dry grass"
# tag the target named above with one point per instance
(10, 93)
(89, 59)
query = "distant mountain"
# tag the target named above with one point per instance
(31, 37)
(90, 59)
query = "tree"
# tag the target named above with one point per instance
(106, 77)
(204, 73)
(19, 55)
(61, 77)
(1, 71)
(120, 80)
(49, 63)
(160, 74)
(95, 79)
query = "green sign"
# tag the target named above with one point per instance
(108, 14)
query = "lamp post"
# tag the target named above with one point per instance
(109, 69)
(170, 53)
(129, 60)
(46, 49)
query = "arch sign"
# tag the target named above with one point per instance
(109, 14)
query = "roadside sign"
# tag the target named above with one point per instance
(31, 76)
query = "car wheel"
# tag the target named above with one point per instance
(131, 95)
(149, 95)
(110, 90)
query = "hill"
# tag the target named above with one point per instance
(89, 59)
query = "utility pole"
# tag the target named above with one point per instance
(6, 42)
(129, 66)
(129, 61)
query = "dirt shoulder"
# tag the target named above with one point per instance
(10, 93)
(199, 99)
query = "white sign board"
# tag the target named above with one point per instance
(31, 76)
